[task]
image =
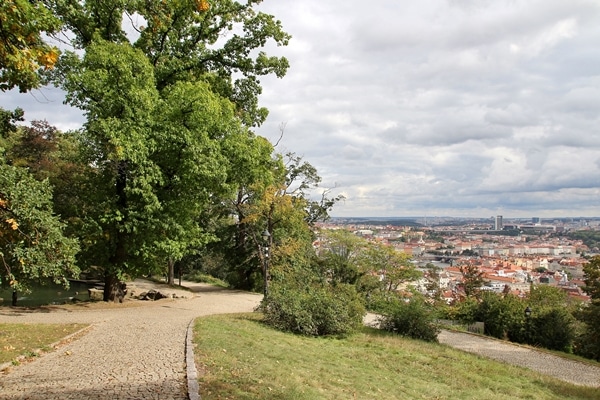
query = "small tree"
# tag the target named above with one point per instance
(553, 329)
(502, 315)
(473, 279)
(394, 266)
(32, 246)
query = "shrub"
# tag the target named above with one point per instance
(587, 342)
(502, 315)
(553, 329)
(413, 318)
(316, 310)
(464, 311)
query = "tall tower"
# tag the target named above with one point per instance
(498, 223)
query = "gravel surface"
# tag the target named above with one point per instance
(137, 350)
(567, 370)
(134, 350)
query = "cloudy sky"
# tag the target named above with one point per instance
(434, 107)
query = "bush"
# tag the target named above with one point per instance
(316, 310)
(464, 311)
(553, 329)
(414, 318)
(503, 315)
(587, 342)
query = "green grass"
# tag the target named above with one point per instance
(25, 339)
(238, 357)
(204, 278)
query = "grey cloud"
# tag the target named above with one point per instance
(461, 107)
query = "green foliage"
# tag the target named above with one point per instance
(22, 50)
(33, 248)
(591, 273)
(313, 310)
(413, 318)
(502, 315)
(339, 258)
(204, 278)
(8, 120)
(552, 329)
(588, 341)
(184, 42)
(473, 279)
(544, 296)
(464, 311)
(590, 238)
(551, 324)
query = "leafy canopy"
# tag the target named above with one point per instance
(32, 245)
(22, 50)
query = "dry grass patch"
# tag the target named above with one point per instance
(240, 358)
(28, 339)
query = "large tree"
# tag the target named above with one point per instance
(151, 78)
(218, 41)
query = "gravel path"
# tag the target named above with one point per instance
(131, 352)
(135, 351)
(567, 370)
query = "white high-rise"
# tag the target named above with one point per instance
(498, 223)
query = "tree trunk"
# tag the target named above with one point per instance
(110, 285)
(179, 268)
(119, 257)
(171, 273)
(14, 298)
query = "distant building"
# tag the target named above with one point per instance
(535, 220)
(498, 223)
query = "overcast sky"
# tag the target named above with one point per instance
(433, 107)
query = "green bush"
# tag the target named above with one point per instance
(464, 311)
(412, 318)
(587, 341)
(553, 329)
(315, 310)
(503, 315)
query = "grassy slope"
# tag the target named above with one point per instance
(240, 358)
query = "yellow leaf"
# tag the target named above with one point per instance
(13, 223)
(202, 5)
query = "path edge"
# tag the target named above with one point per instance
(192, 373)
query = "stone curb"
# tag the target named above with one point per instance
(192, 374)
(54, 346)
